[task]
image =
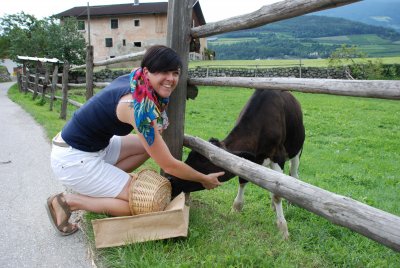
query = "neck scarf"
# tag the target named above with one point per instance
(147, 105)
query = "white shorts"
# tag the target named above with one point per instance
(91, 174)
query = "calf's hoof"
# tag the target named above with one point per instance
(237, 207)
(282, 226)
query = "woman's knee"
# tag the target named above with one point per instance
(124, 194)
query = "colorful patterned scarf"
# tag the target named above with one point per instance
(147, 105)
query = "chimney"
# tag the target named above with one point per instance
(136, 3)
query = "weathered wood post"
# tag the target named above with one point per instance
(25, 85)
(89, 72)
(54, 81)
(64, 104)
(45, 83)
(19, 80)
(36, 85)
(178, 38)
(27, 78)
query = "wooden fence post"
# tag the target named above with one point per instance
(27, 75)
(23, 76)
(178, 38)
(64, 104)
(19, 80)
(54, 81)
(89, 72)
(36, 85)
(45, 83)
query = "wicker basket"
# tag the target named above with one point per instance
(149, 192)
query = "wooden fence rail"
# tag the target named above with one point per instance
(278, 11)
(384, 89)
(125, 58)
(373, 223)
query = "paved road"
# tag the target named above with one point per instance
(27, 239)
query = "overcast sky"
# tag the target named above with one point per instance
(213, 10)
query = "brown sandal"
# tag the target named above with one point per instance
(53, 218)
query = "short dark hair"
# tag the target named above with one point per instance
(161, 58)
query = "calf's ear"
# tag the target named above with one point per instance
(213, 140)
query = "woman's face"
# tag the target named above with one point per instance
(163, 83)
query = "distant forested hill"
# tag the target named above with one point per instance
(307, 36)
(312, 26)
(384, 13)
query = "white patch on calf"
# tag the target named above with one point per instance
(239, 200)
(277, 205)
(294, 166)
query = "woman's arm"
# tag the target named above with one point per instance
(162, 156)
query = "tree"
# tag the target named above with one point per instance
(24, 35)
(362, 68)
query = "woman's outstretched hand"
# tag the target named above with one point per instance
(212, 180)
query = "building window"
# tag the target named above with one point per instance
(137, 44)
(81, 25)
(114, 23)
(123, 42)
(136, 22)
(109, 42)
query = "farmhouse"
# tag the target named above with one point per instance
(116, 30)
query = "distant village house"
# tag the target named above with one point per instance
(121, 29)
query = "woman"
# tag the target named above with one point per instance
(95, 151)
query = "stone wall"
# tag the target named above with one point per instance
(304, 72)
(107, 75)
(390, 71)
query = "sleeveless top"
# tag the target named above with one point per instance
(92, 126)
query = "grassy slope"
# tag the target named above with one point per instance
(352, 148)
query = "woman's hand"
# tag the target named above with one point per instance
(212, 180)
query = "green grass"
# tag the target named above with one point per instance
(277, 63)
(352, 148)
(229, 41)
(371, 44)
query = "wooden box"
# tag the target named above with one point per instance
(117, 231)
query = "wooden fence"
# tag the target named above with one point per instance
(41, 77)
(370, 222)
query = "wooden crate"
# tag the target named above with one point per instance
(117, 231)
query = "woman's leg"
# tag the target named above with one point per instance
(132, 153)
(118, 206)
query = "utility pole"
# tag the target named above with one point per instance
(88, 16)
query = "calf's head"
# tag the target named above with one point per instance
(203, 165)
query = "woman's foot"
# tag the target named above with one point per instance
(59, 213)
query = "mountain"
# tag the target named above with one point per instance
(308, 36)
(312, 26)
(385, 13)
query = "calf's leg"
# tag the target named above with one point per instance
(239, 199)
(294, 166)
(277, 204)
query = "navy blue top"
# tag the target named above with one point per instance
(92, 126)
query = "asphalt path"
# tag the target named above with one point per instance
(27, 239)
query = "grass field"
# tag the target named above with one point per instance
(277, 63)
(352, 148)
(371, 44)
